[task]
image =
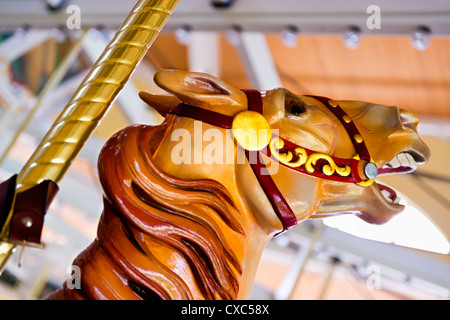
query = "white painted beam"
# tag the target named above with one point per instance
(291, 277)
(258, 62)
(204, 52)
(20, 43)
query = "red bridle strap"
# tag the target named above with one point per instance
(273, 194)
(348, 124)
(276, 199)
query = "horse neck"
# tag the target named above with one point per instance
(210, 153)
(193, 150)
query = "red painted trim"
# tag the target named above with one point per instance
(277, 201)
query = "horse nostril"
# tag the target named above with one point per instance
(408, 119)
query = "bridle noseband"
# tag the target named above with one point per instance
(360, 170)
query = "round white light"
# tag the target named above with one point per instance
(420, 38)
(233, 36)
(351, 38)
(182, 35)
(289, 36)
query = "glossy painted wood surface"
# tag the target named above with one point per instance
(197, 229)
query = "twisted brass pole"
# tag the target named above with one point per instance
(92, 99)
(96, 93)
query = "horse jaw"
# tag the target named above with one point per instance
(394, 145)
(376, 203)
(367, 203)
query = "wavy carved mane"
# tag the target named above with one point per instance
(150, 221)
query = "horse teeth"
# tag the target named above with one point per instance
(395, 163)
(411, 161)
(403, 159)
(386, 195)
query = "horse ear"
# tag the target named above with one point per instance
(201, 90)
(160, 102)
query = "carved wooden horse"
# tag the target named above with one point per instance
(191, 203)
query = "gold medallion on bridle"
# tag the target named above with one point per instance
(251, 130)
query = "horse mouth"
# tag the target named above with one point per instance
(403, 163)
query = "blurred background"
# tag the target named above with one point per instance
(393, 53)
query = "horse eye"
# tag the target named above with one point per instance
(297, 109)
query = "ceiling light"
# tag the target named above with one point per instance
(58, 35)
(222, 3)
(420, 38)
(55, 5)
(182, 35)
(289, 36)
(351, 37)
(22, 31)
(233, 36)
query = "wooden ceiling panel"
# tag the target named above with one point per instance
(385, 70)
(167, 53)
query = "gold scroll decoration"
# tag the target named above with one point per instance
(305, 160)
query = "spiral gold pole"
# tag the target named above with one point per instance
(96, 93)
(92, 100)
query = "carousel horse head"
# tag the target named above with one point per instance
(191, 203)
(329, 151)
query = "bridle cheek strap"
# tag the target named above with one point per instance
(293, 156)
(279, 204)
(309, 162)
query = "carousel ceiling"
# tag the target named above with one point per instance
(261, 44)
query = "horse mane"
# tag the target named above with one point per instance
(150, 217)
